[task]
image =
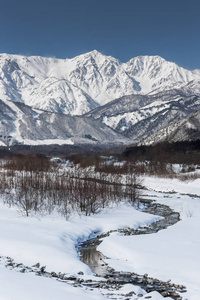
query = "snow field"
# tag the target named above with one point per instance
(173, 253)
(18, 286)
(52, 241)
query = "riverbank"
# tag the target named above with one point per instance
(173, 253)
(95, 259)
(51, 241)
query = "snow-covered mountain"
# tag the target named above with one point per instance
(41, 83)
(75, 86)
(186, 129)
(40, 98)
(155, 74)
(138, 116)
(20, 124)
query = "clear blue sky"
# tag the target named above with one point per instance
(120, 28)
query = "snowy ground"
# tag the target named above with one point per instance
(169, 254)
(173, 253)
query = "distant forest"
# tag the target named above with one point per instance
(179, 152)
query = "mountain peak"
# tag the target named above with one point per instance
(94, 52)
(147, 58)
(96, 56)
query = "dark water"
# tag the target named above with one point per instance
(93, 258)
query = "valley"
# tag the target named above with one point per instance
(99, 164)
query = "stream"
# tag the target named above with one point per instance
(95, 259)
(108, 280)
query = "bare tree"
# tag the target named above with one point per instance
(133, 184)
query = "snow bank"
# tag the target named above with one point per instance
(18, 286)
(52, 241)
(173, 253)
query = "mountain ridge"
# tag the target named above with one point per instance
(89, 80)
(23, 125)
(129, 100)
(185, 129)
(137, 116)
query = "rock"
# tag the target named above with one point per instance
(61, 275)
(127, 280)
(131, 293)
(23, 270)
(79, 280)
(53, 274)
(164, 294)
(36, 265)
(9, 264)
(173, 294)
(71, 278)
(139, 280)
(182, 291)
(88, 280)
(42, 269)
(28, 269)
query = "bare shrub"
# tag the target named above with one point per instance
(37, 185)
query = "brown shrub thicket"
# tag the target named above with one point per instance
(35, 184)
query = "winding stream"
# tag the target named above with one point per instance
(95, 260)
(109, 281)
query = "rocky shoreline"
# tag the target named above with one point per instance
(112, 281)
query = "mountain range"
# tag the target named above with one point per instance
(92, 98)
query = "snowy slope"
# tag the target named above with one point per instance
(186, 129)
(51, 241)
(171, 254)
(154, 72)
(42, 83)
(22, 124)
(77, 85)
(137, 116)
